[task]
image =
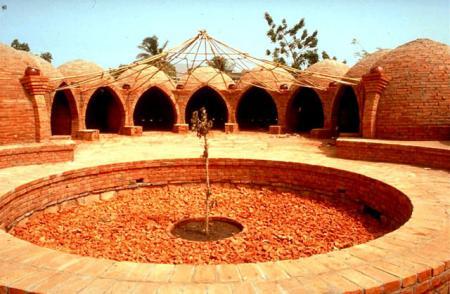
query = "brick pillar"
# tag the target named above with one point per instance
(229, 96)
(233, 95)
(281, 100)
(327, 97)
(181, 98)
(128, 104)
(373, 84)
(37, 87)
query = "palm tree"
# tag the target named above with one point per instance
(150, 46)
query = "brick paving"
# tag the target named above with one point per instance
(416, 257)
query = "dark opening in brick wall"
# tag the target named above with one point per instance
(214, 104)
(347, 111)
(305, 111)
(154, 111)
(61, 117)
(256, 110)
(104, 112)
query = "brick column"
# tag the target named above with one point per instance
(373, 84)
(233, 96)
(327, 97)
(128, 104)
(181, 97)
(37, 87)
(281, 100)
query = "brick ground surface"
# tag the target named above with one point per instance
(413, 259)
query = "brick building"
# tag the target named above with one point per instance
(404, 93)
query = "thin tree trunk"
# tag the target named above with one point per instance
(208, 187)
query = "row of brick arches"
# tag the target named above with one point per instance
(255, 111)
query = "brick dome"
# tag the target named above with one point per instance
(267, 76)
(206, 75)
(83, 70)
(365, 64)
(47, 69)
(17, 123)
(416, 102)
(144, 76)
(328, 67)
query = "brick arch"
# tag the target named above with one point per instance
(73, 110)
(110, 125)
(137, 94)
(84, 96)
(167, 95)
(272, 94)
(337, 104)
(258, 87)
(317, 106)
(223, 99)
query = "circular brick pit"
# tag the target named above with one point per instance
(65, 189)
(69, 187)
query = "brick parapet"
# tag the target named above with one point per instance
(387, 151)
(35, 154)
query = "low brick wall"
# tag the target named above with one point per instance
(42, 193)
(36, 154)
(393, 152)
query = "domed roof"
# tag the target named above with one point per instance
(80, 70)
(416, 102)
(365, 64)
(144, 76)
(268, 76)
(327, 67)
(15, 61)
(206, 75)
(79, 67)
(47, 69)
(16, 108)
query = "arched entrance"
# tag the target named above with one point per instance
(61, 116)
(214, 104)
(305, 111)
(256, 110)
(105, 111)
(154, 111)
(347, 112)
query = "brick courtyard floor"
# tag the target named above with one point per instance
(408, 257)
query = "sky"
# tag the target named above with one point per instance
(107, 32)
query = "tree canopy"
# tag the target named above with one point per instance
(294, 46)
(16, 44)
(221, 63)
(150, 47)
(20, 46)
(46, 56)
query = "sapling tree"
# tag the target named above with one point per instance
(201, 125)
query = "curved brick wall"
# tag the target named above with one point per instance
(42, 193)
